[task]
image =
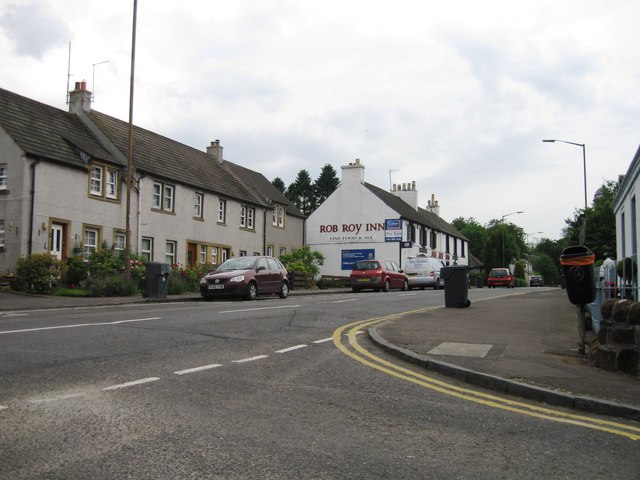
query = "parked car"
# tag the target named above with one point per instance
(424, 272)
(246, 277)
(536, 281)
(377, 275)
(501, 277)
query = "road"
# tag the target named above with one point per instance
(239, 390)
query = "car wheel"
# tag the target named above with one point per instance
(437, 284)
(387, 285)
(354, 290)
(405, 286)
(252, 291)
(284, 291)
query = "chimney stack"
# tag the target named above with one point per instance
(80, 98)
(432, 205)
(407, 192)
(215, 150)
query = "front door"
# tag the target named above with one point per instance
(58, 242)
(192, 254)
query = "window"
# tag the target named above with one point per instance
(119, 241)
(112, 184)
(283, 251)
(90, 242)
(203, 254)
(162, 197)
(243, 253)
(278, 216)
(103, 182)
(222, 211)
(247, 215)
(270, 250)
(146, 249)
(447, 249)
(1, 233)
(96, 181)
(4, 175)
(198, 201)
(214, 255)
(170, 252)
(433, 241)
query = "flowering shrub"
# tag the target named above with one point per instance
(39, 273)
(186, 278)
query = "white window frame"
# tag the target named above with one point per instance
(4, 176)
(111, 184)
(95, 180)
(198, 202)
(275, 216)
(222, 211)
(283, 250)
(168, 195)
(270, 250)
(203, 254)
(170, 249)
(90, 240)
(247, 216)
(119, 241)
(281, 216)
(1, 233)
(156, 196)
(146, 248)
(214, 255)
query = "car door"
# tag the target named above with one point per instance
(262, 276)
(394, 274)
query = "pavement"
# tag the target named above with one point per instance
(522, 345)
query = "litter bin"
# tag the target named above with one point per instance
(156, 283)
(456, 286)
(577, 267)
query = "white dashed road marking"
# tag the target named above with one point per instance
(131, 384)
(285, 350)
(197, 369)
(57, 398)
(251, 359)
(323, 340)
(78, 325)
(261, 308)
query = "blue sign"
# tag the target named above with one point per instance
(393, 230)
(349, 257)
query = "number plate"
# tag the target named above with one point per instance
(216, 287)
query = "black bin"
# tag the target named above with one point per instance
(157, 281)
(577, 269)
(456, 286)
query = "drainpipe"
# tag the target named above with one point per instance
(32, 204)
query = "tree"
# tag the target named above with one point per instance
(279, 184)
(476, 233)
(325, 184)
(301, 193)
(505, 244)
(546, 266)
(601, 224)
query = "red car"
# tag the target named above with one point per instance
(246, 277)
(378, 275)
(501, 277)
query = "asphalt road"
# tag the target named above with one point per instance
(234, 390)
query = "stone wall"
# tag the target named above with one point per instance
(617, 347)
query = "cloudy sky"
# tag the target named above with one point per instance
(456, 96)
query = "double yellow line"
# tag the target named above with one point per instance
(358, 353)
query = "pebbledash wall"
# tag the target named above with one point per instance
(356, 223)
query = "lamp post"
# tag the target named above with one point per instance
(529, 234)
(502, 221)
(583, 220)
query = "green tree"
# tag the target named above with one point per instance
(325, 184)
(279, 184)
(301, 193)
(504, 245)
(600, 223)
(303, 260)
(476, 233)
(546, 266)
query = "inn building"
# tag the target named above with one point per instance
(360, 220)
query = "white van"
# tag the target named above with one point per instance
(424, 272)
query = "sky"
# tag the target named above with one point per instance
(456, 96)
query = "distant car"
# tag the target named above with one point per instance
(377, 275)
(246, 277)
(424, 272)
(536, 281)
(501, 277)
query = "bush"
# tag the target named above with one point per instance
(303, 260)
(187, 278)
(39, 273)
(76, 272)
(109, 284)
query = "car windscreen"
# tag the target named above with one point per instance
(240, 263)
(366, 265)
(498, 273)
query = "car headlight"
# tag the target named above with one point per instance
(237, 279)
(203, 280)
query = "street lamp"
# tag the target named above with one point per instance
(583, 220)
(502, 221)
(529, 234)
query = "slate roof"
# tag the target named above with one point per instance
(420, 216)
(48, 132)
(53, 134)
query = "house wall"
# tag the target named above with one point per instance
(13, 204)
(626, 208)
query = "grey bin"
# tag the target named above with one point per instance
(157, 281)
(456, 286)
